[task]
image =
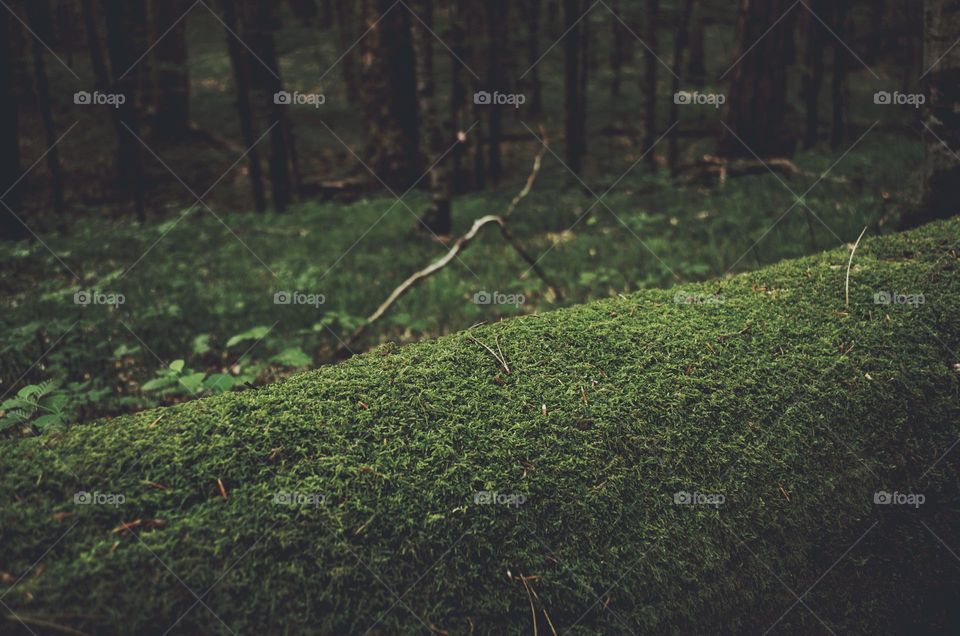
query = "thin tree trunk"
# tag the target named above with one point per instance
(839, 130)
(120, 25)
(458, 95)
(533, 8)
(572, 84)
(679, 44)
(346, 36)
(813, 77)
(650, 81)
(696, 66)
(10, 227)
(39, 18)
(941, 168)
(438, 219)
(498, 44)
(266, 75)
(239, 59)
(171, 121)
(616, 49)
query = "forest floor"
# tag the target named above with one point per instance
(198, 289)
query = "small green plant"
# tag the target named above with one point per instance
(47, 405)
(177, 378)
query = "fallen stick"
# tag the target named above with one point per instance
(461, 243)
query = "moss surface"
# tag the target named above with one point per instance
(774, 394)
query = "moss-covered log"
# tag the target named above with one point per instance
(358, 498)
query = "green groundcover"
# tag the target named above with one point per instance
(726, 457)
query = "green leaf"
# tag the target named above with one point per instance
(192, 381)
(201, 344)
(157, 383)
(47, 421)
(292, 357)
(177, 365)
(256, 333)
(218, 382)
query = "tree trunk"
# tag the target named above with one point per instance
(679, 44)
(839, 130)
(389, 95)
(758, 92)
(10, 227)
(498, 43)
(650, 81)
(941, 168)
(813, 77)
(39, 19)
(239, 60)
(616, 49)
(533, 12)
(266, 75)
(575, 124)
(121, 24)
(171, 120)
(438, 218)
(696, 66)
(346, 36)
(458, 95)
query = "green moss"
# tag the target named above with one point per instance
(793, 406)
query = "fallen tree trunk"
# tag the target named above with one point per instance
(692, 460)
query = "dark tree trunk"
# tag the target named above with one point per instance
(941, 168)
(239, 60)
(758, 92)
(389, 95)
(498, 43)
(651, 19)
(616, 49)
(575, 123)
(679, 44)
(696, 66)
(121, 23)
(10, 227)
(839, 130)
(266, 74)
(438, 219)
(39, 19)
(458, 95)
(533, 12)
(813, 76)
(171, 120)
(346, 36)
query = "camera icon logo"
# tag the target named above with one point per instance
(683, 97)
(682, 498)
(482, 98)
(282, 298)
(82, 298)
(882, 97)
(282, 98)
(82, 98)
(881, 298)
(82, 498)
(882, 497)
(482, 298)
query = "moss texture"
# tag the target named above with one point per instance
(794, 407)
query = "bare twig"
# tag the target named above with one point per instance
(501, 359)
(846, 292)
(461, 244)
